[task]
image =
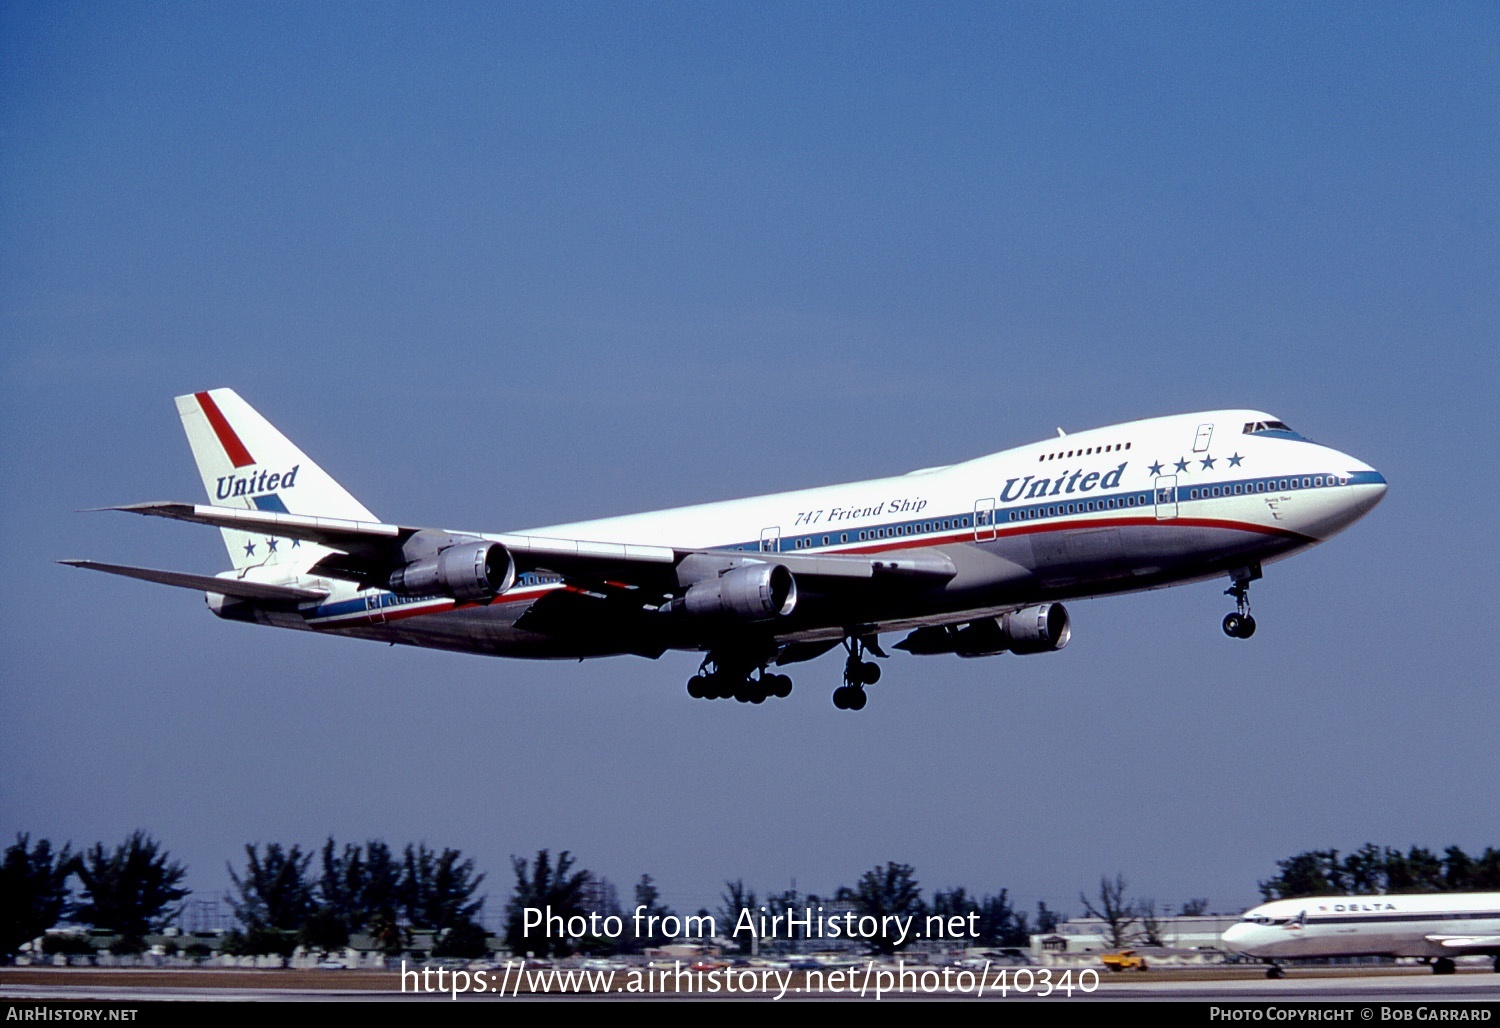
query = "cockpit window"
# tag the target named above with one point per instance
(1275, 429)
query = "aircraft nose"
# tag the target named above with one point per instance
(1236, 936)
(1369, 489)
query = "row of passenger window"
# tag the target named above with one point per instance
(1264, 485)
(870, 534)
(1081, 507)
(1087, 451)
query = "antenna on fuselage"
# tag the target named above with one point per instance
(1060, 432)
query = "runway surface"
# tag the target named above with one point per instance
(1241, 985)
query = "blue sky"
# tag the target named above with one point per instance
(503, 265)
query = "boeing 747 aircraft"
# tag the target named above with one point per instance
(1436, 927)
(972, 559)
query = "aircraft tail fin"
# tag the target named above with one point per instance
(246, 463)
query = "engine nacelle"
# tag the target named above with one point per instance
(757, 592)
(1038, 629)
(468, 572)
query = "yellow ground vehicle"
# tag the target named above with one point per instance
(1124, 960)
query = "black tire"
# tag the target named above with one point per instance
(1442, 965)
(695, 688)
(841, 697)
(1247, 627)
(857, 699)
(781, 686)
(869, 673)
(1232, 626)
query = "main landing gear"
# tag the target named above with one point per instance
(717, 681)
(858, 672)
(1275, 971)
(1240, 625)
(742, 673)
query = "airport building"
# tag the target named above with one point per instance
(1177, 937)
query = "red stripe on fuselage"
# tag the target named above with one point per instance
(916, 542)
(238, 455)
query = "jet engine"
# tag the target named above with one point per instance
(468, 572)
(1038, 629)
(756, 592)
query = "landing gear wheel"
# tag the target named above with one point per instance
(1275, 972)
(869, 673)
(841, 697)
(1443, 965)
(1239, 626)
(780, 686)
(696, 687)
(857, 699)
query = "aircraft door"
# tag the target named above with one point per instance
(375, 604)
(1202, 439)
(1166, 497)
(984, 519)
(770, 539)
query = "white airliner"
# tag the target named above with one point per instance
(972, 558)
(1434, 926)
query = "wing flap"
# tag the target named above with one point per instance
(236, 587)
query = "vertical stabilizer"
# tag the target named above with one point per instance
(246, 463)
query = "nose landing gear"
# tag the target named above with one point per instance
(1240, 625)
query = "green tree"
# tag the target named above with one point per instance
(1000, 924)
(1312, 873)
(648, 904)
(543, 886)
(34, 891)
(1485, 875)
(1424, 869)
(956, 902)
(1195, 907)
(1047, 919)
(274, 893)
(131, 890)
(736, 899)
(1365, 870)
(1458, 870)
(437, 889)
(885, 891)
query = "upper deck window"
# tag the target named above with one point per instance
(1277, 429)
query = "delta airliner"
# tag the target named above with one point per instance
(1433, 926)
(972, 559)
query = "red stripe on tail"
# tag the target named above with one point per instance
(238, 455)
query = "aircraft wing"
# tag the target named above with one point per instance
(372, 547)
(1476, 943)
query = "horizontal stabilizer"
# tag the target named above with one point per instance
(338, 533)
(236, 587)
